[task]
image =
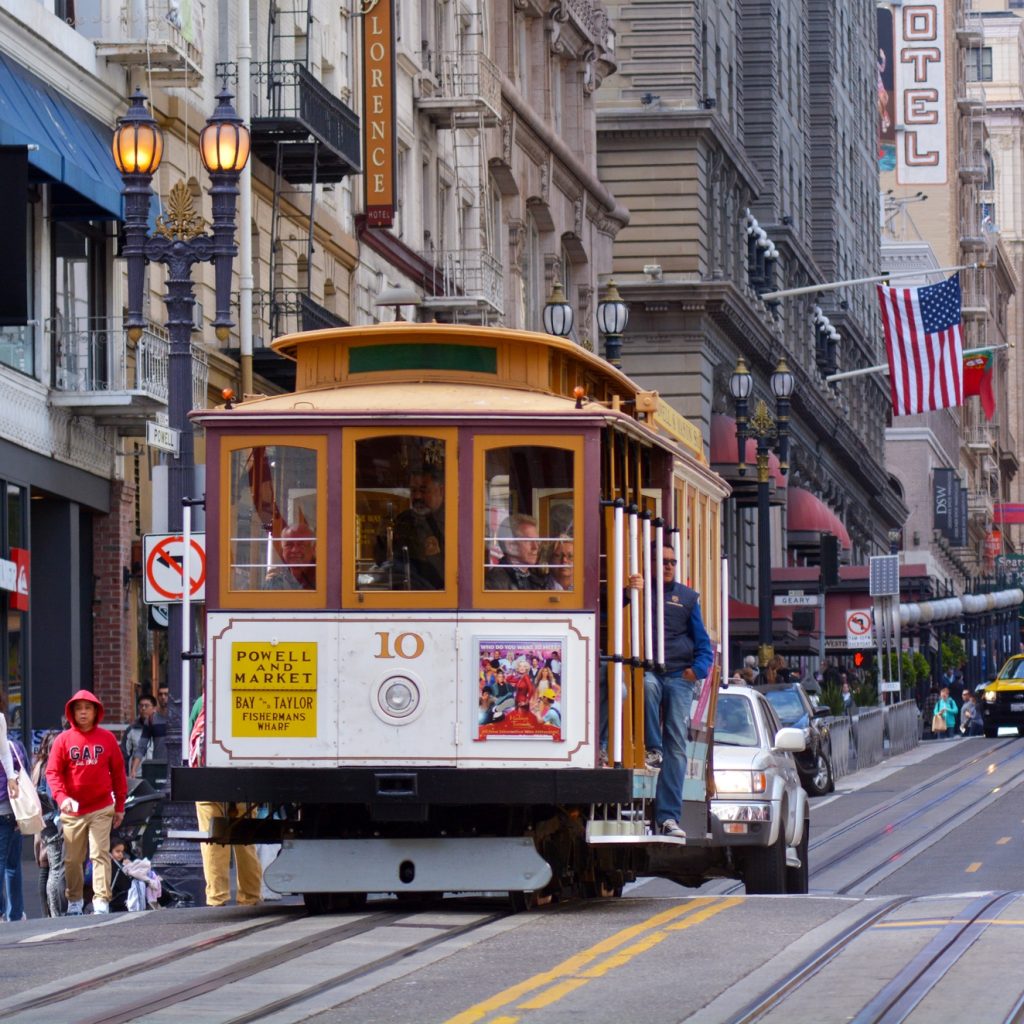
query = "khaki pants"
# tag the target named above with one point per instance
(80, 831)
(217, 860)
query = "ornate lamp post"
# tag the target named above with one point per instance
(770, 435)
(179, 242)
(558, 315)
(612, 316)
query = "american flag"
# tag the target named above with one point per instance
(924, 340)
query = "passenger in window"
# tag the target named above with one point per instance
(298, 553)
(561, 563)
(419, 531)
(520, 548)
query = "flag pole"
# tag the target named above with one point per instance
(884, 367)
(813, 289)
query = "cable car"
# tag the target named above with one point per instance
(421, 652)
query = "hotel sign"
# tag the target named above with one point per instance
(921, 142)
(379, 139)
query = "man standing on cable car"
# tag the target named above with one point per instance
(669, 694)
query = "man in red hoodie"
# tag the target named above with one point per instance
(87, 779)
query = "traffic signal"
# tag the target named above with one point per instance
(858, 659)
(829, 560)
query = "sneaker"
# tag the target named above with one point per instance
(100, 906)
(653, 758)
(670, 827)
(74, 908)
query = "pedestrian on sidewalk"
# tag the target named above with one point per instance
(946, 707)
(12, 758)
(86, 776)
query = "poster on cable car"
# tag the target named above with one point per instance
(520, 688)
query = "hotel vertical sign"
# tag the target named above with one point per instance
(920, 72)
(379, 137)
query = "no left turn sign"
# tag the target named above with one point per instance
(164, 559)
(858, 628)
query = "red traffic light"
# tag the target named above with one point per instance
(858, 659)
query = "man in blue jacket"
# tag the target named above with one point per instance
(669, 694)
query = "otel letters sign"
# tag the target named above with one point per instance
(921, 92)
(379, 111)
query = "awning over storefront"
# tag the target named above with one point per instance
(806, 513)
(68, 146)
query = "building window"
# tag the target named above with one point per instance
(990, 173)
(979, 64)
(18, 340)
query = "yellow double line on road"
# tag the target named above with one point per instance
(578, 970)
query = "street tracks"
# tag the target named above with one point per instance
(290, 967)
(932, 938)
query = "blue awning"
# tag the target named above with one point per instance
(74, 147)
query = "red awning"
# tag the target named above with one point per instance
(724, 450)
(806, 513)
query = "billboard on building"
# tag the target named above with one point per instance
(942, 501)
(379, 133)
(920, 78)
(885, 84)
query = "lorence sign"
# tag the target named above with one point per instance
(921, 92)
(379, 135)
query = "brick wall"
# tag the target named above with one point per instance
(115, 607)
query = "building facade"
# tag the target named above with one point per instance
(744, 147)
(496, 197)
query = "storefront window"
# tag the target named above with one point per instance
(273, 541)
(529, 518)
(400, 512)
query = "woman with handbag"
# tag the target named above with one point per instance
(945, 714)
(10, 838)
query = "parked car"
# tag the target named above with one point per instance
(760, 810)
(795, 710)
(1002, 700)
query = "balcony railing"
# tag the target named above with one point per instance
(978, 439)
(286, 311)
(461, 84)
(100, 373)
(979, 504)
(164, 36)
(466, 278)
(291, 107)
(969, 27)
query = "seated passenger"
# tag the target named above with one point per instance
(298, 553)
(520, 546)
(419, 531)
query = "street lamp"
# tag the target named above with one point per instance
(558, 315)
(612, 316)
(179, 242)
(770, 435)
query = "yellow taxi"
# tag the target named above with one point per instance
(1002, 700)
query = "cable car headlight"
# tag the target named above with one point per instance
(398, 697)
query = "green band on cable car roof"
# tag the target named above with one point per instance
(469, 358)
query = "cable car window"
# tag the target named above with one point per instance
(400, 512)
(273, 539)
(529, 513)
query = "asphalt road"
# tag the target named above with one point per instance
(906, 920)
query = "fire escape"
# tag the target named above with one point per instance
(97, 371)
(460, 92)
(309, 138)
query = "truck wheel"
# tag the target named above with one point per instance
(798, 879)
(764, 870)
(820, 782)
